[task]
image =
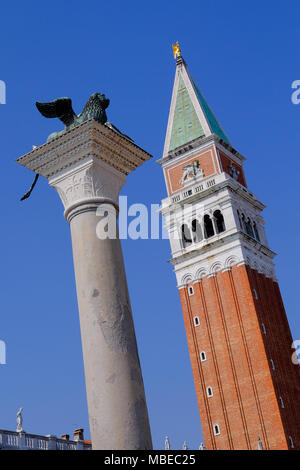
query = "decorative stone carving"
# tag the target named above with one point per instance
(234, 173)
(191, 171)
(217, 266)
(187, 278)
(93, 179)
(87, 162)
(230, 261)
(89, 139)
(200, 274)
(206, 268)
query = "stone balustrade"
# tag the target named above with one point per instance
(11, 440)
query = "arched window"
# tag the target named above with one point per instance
(196, 231)
(208, 226)
(240, 220)
(209, 392)
(256, 234)
(196, 321)
(191, 290)
(243, 223)
(220, 224)
(203, 356)
(186, 235)
(249, 228)
(216, 430)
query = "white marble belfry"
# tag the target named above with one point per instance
(88, 167)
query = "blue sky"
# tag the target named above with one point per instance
(243, 56)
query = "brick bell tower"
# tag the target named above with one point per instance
(238, 335)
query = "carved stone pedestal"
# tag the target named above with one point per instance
(88, 166)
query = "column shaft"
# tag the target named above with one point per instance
(115, 391)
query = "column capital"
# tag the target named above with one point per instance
(87, 164)
(87, 184)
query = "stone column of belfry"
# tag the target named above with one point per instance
(88, 166)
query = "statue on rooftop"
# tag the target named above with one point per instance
(20, 421)
(176, 50)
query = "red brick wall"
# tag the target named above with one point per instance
(245, 401)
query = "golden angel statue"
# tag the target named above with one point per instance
(176, 50)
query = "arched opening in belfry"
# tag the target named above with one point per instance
(256, 234)
(196, 231)
(244, 223)
(208, 226)
(240, 220)
(249, 228)
(186, 235)
(219, 219)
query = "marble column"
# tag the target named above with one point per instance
(88, 166)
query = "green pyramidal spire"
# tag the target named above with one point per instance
(210, 117)
(190, 115)
(186, 125)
